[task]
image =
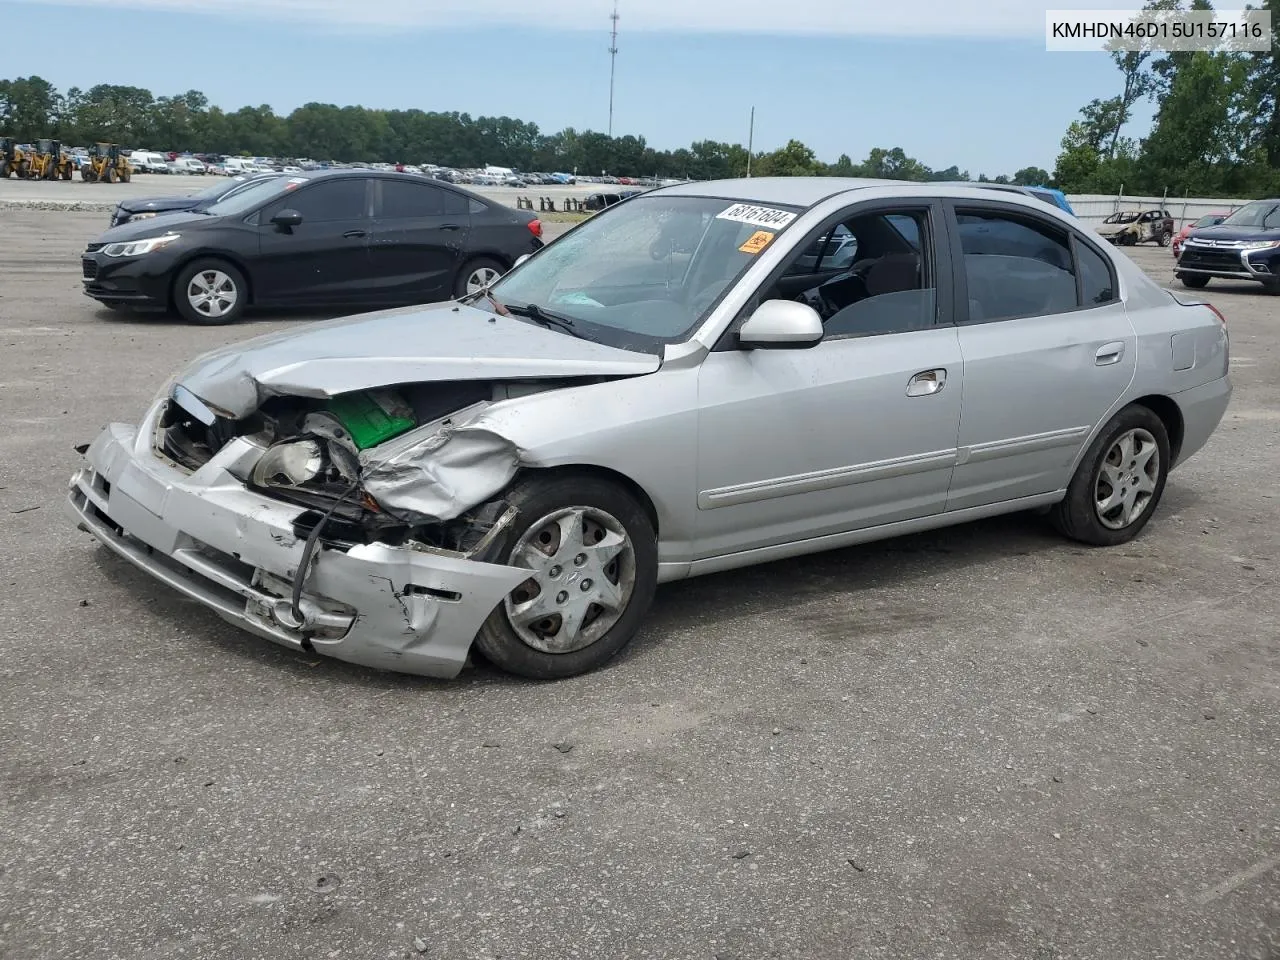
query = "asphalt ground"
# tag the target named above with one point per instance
(984, 742)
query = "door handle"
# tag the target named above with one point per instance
(353, 234)
(927, 383)
(1109, 353)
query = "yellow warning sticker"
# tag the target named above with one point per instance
(757, 242)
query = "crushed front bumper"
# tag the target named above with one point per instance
(215, 540)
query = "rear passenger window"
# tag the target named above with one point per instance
(1097, 284)
(1015, 266)
(406, 200)
(455, 204)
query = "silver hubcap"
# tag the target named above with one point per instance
(212, 293)
(1127, 479)
(584, 570)
(481, 278)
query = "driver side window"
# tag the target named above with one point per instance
(869, 275)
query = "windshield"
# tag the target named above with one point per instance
(650, 268)
(217, 190)
(1211, 220)
(1262, 213)
(246, 199)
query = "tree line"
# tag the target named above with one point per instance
(32, 108)
(1216, 131)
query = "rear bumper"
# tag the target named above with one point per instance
(1203, 408)
(218, 542)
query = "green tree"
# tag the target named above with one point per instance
(793, 160)
(1031, 177)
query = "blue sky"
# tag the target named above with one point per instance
(950, 81)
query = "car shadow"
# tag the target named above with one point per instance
(780, 588)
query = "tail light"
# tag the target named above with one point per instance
(1217, 313)
(535, 227)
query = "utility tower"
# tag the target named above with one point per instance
(613, 60)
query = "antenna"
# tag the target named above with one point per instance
(613, 60)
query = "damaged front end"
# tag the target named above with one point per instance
(354, 526)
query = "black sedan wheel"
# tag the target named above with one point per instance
(210, 292)
(477, 274)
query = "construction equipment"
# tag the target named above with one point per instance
(13, 159)
(48, 162)
(106, 165)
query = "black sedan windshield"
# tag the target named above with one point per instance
(252, 196)
(653, 266)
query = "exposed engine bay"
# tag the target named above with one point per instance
(394, 465)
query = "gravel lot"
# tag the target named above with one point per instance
(980, 743)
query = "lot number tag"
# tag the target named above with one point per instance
(757, 216)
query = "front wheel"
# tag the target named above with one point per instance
(1192, 282)
(1163, 239)
(210, 292)
(1119, 481)
(477, 274)
(592, 557)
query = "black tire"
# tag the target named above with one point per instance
(1193, 283)
(1271, 286)
(471, 267)
(126, 176)
(536, 499)
(1164, 238)
(24, 169)
(1076, 515)
(188, 311)
(109, 175)
(4, 169)
(87, 174)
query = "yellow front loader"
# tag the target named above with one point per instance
(106, 165)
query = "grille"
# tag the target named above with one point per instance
(90, 268)
(1210, 259)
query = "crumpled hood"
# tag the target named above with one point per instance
(436, 342)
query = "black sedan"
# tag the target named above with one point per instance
(144, 208)
(334, 238)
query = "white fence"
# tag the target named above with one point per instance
(1093, 208)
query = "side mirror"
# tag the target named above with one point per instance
(781, 325)
(522, 258)
(286, 220)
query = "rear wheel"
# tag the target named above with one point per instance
(126, 175)
(592, 557)
(477, 274)
(4, 169)
(1163, 239)
(210, 292)
(24, 169)
(1119, 481)
(1193, 283)
(109, 175)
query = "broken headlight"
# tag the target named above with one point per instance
(289, 464)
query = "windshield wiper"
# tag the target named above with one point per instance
(544, 317)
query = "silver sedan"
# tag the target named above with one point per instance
(703, 377)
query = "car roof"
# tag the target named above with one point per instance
(790, 191)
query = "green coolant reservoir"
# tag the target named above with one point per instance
(373, 416)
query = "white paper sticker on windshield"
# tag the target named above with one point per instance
(757, 216)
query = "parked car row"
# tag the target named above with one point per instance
(696, 380)
(321, 239)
